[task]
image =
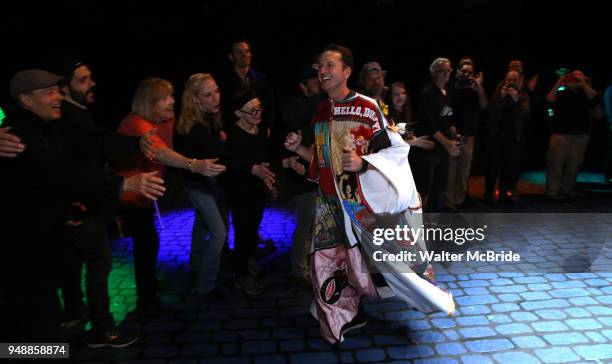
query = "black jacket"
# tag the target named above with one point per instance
(572, 112)
(434, 113)
(37, 187)
(90, 147)
(466, 109)
(297, 116)
(203, 142)
(508, 119)
(253, 148)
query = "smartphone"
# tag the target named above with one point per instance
(462, 140)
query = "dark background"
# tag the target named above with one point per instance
(129, 41)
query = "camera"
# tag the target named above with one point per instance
(509, 84)
(568, 79)
(401, 128)
(461, 141)
(464, 82)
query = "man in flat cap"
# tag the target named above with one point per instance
(76, 146)
(35, 182)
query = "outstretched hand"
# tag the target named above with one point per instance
(10, 144)
(292, 162)
(208, 167)
(266, 175)
(423, 142)
(452, 148)
(78, 211)
(147, 184)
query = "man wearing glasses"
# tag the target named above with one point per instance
(246, 195)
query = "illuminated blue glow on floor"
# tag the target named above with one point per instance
(539, 177)
(277, 225)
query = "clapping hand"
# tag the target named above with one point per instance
(267, 176)
(292, 162)
(293, 141)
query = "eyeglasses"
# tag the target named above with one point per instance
(253, 112)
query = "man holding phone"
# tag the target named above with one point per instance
(509, 114)
(573, 100)
(468, 99)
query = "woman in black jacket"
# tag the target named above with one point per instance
(199, 136)
(247, 194)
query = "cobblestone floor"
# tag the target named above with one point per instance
(511, 316)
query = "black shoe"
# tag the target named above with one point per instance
(214, 295)
(254, 267)
(489, 200)
(555, 197)
(74, 322)
(449, 208)
(574, 194)
(154, 309)
(358, 321)
(113, 338)
(249, 285)
(74, 319)
(265, 247)
(192, 277)
(468, 202)
(506, 200)
(164, 286)
(300, 282)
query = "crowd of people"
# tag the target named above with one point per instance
(345, 155)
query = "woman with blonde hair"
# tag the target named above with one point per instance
(152, 109)
(200, 136)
